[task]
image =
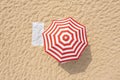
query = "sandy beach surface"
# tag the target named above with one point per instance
(19, 60)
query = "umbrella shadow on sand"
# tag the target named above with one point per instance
(79, 65)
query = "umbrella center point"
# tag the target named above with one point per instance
(65, 37)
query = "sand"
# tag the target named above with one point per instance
(19, 60)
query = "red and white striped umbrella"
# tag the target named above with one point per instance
(65, 39)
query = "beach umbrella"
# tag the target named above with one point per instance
(65, 39)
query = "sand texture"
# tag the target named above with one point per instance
(19, 60)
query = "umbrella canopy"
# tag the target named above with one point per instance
(65, 39)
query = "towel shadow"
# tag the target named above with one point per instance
(78, 65)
